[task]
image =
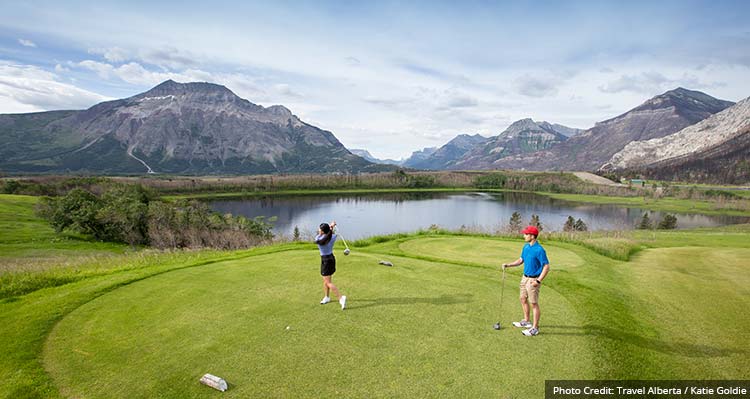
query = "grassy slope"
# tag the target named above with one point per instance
(653, 317)
(661, 204)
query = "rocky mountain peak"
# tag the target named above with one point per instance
(684, 99)
(199, 91)
(521, 125)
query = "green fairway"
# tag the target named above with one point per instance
(418, 329)
(421, 328)
(102, 320)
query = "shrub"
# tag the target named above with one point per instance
(645, 223)
(493, 180)
(668, 222)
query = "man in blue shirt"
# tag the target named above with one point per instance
(536, 267)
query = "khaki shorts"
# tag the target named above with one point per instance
(529, 291)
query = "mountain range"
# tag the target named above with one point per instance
(716, 149)
(190, 128)
(659, 116)
(204, 128)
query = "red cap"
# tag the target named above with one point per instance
(530, 230)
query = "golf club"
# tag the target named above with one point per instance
(502, 292)
(346, 251)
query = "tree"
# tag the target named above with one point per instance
(76, 211)
(645, 223)
(569, 224)
(535, 222)
(668, 222)
(580, 226)
(515, 223)
(296, 233)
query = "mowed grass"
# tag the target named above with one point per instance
(149, 324)
(419, 329)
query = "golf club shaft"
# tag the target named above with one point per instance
(342, 239)
(502, 295)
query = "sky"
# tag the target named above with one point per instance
(391, 77)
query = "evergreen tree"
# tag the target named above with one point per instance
(668, 222)
(296, 233)
(535, 222)
(645, 223)
(569, 224)
(580, 226)
(515, 224)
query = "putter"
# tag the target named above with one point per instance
(502, 292)
(346, 251)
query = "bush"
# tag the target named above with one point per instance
(668, 222)
(128, 214)
(493, 180)
(645, 223)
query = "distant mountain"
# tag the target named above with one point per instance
(716, 149)
(658, 117)
(521, 137)
(366, 155)
(564, 130)
(450, 153)
(190, 128)
(418, 156)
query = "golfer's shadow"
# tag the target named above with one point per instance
(362, 303)
(669, 347)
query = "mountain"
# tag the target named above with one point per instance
(418, 156)
(658, 117)
(450, 153)
(180, 128)
(564, 130)
(366, 155)
(716, 149)
(521, 137)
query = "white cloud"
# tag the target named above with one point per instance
(112, 54)
(531, 86)
(25, 88)
(286, 91)
(650, 82)
(27, 43)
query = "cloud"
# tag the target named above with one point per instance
(460, 101)
(536, 87)
(26, 88)
(389, 102)
(650, 82)
(27, 43)
(641, 83)
(352, 61)
(169, 57)
(112, 54)
(131, 72)
(286, 90)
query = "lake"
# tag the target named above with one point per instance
(365, 215)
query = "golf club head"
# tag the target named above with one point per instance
(496, 326)
(346, 251)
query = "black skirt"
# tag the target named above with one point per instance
(327, 265)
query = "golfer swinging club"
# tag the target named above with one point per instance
(535, 269)
(325, 240)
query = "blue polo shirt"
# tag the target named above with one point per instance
(534, 258)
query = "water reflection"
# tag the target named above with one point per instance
(365, 215)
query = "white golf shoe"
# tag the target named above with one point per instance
(530, 332)
(522, 324)
(325, 300)
(342, 301)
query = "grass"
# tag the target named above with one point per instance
(667, 204)
(149, 324)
